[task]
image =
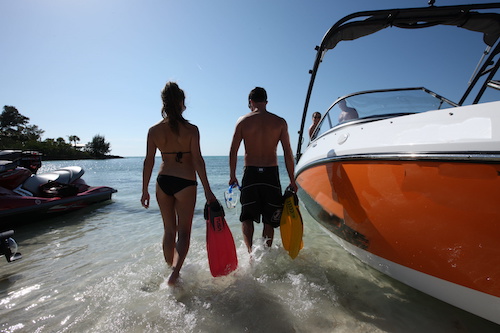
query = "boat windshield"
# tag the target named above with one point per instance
(380, 104)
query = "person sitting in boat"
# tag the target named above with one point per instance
(347, 113)
(316, 117)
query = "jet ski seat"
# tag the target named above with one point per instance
(65, 175)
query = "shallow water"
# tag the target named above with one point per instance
(101, 269)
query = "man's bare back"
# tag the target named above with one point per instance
(261, 132)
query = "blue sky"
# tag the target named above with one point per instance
(97, 67)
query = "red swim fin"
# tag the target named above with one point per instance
(221, 249)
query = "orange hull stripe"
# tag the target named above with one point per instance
(438, 218)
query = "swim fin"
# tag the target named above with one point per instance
(291, 224)
(221, 249)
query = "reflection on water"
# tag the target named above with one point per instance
(102, 270)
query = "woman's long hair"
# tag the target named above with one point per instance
(173, 105)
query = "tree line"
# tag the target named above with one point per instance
(17, 133)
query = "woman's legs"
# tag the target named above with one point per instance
(167, 210)
(185, 201)
(177, 212)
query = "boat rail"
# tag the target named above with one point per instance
(467, 17)
(462, 157)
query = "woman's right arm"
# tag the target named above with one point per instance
(149, 162)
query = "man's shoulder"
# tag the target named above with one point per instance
(261, 114)
(276, 116)
(252, 119)
(245, 117)
(275, 119)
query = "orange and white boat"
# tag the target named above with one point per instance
(409, 181)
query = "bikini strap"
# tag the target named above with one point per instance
(178, 155)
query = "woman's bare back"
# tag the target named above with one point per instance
(175, 149)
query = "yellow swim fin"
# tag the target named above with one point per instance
(291, 224)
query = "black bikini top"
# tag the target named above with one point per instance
(178, 155)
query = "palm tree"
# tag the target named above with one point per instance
(73, 138)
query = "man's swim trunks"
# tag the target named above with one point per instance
(171, 184)
(261, 195)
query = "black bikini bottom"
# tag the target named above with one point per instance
(171, 184)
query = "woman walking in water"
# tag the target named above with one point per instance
(179, 144)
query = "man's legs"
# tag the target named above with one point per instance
(247, 228)
(268, 234)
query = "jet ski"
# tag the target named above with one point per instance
(26, 196)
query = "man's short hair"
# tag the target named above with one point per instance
(258, 94)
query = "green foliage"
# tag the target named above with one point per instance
(16, 133)
(55, 150)
(14, 126)
(74, 139)
(98, 147)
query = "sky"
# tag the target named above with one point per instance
(97, 67)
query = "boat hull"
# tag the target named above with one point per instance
(433, 225)
(18, 210)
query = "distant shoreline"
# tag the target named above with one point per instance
(65, 158)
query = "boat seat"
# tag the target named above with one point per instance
(75, 172)
(64, 176)
(7, 165)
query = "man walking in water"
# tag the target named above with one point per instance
(260, 131)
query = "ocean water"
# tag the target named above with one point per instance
(101, 269)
